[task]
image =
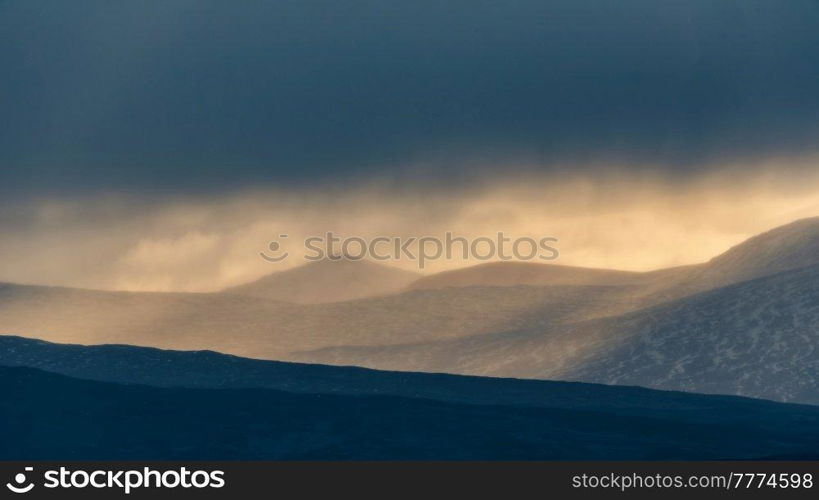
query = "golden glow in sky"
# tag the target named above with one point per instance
(613, 221)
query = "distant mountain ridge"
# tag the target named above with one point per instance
(752, 310)
(328, 281)
(784, 248)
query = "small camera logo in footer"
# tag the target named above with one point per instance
(20, 480)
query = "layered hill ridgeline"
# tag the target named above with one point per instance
(744, 323)
(49, 416)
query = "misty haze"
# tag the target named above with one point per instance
(664, 155)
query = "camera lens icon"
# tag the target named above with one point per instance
(20, 480)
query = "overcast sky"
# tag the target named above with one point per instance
(162, 144)
(207, 95)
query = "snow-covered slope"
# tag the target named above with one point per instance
(526, 273)
(758, 338)
(788, 247)
(784, 248)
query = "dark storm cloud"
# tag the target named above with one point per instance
(209, 95)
